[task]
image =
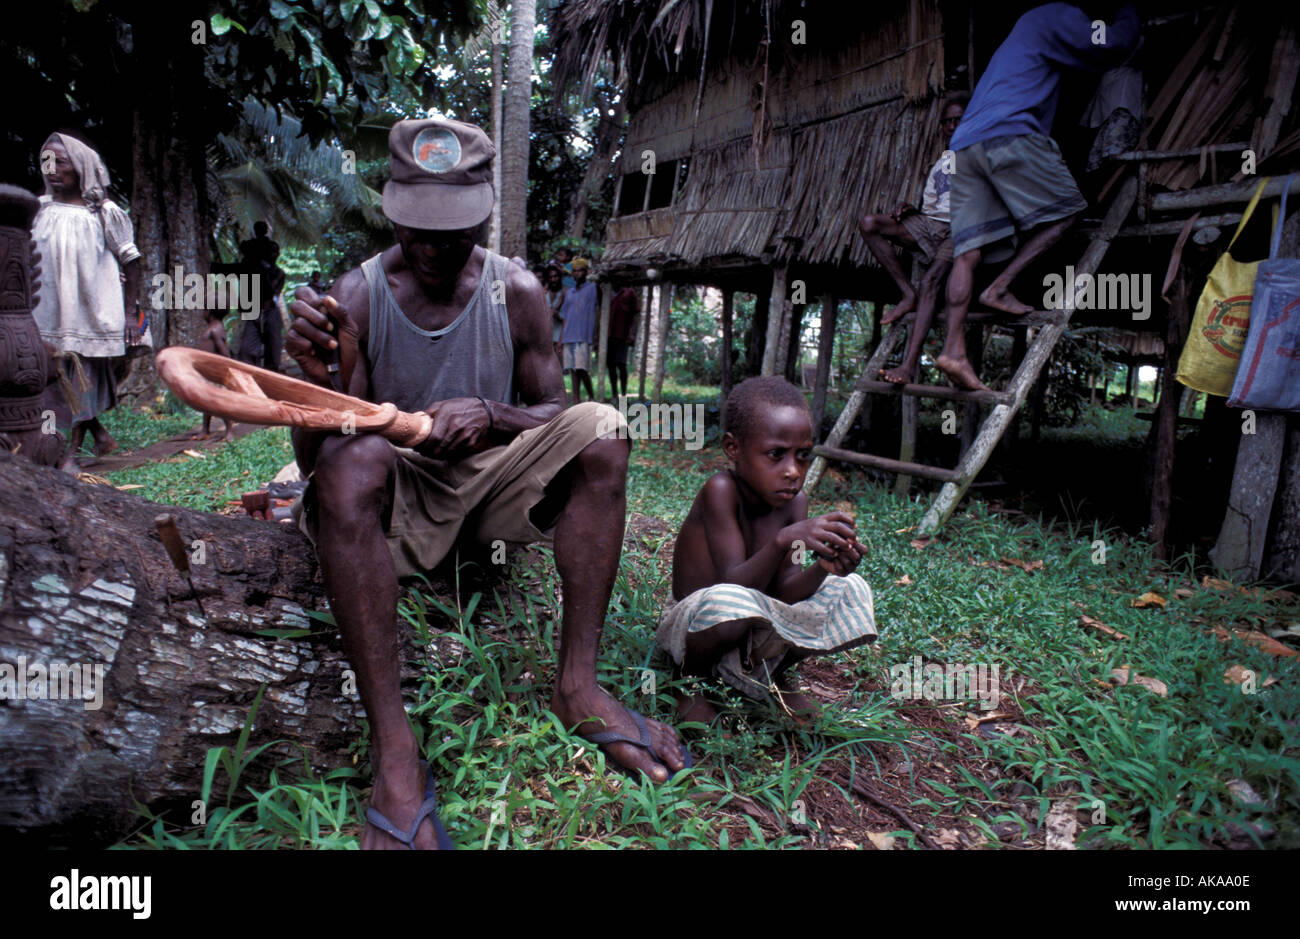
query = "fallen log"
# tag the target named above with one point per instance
(140, 684)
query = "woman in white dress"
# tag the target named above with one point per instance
(91, 276)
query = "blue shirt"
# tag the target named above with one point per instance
(1019, 92)
(579, 312)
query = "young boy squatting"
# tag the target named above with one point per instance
(744, 608)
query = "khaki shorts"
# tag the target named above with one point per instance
(577, 355)
(933, 237)
(487, 496)
(1009, 184)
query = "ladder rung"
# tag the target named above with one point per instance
(885, 463)
(1033, 318)
(934, 391)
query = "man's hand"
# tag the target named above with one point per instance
(317, 321)
(904, 208)
(460, 426)
(826, 535)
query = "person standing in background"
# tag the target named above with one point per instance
(624, 310)
(91, 277)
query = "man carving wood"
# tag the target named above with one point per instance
(438, 323)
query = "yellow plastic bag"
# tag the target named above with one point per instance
(1222, 320)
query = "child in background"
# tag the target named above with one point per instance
(744, 606)
(213, 339)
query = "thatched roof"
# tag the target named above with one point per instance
(786, 142)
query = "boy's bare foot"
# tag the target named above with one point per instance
(905, 306)
(960, 373)
(899, 375)
(696, 708)
(1003, 300)
(398, 795)
(104, 445)
(580, 707)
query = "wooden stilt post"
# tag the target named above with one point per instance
(1167, 416)
(790, 363)
(728, 314)
(648, 317)
(825, 350)
(665, 303)
(778, 312)
(907, 445)
(602, 350)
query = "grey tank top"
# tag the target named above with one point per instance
(413, 367)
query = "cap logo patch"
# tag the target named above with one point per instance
(436, 150)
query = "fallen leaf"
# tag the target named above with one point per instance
(947, 838)
(1182, 593)
(1123, 676)
(920, 543)
(848, 509)
(1150, 599)
(1257, 639)
(1237, 674)
(1214, 583)
(93, 479)
(904, 531)
(1101, 627)
(1062, 824)
(903, 581)
(131, 486)
(1023, 565)
(194, 453)
(881, 841)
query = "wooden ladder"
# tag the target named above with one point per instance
(1006, 403)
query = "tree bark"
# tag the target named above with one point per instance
(494, 238)
(85, 580)
(514, 162)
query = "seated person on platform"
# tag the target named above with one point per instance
(213, 339)
(744, 606)
(925, 231)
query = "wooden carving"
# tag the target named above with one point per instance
(241, 392)
(24, 365)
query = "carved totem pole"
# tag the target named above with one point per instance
(25, 367)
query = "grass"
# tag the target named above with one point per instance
(1145, 771)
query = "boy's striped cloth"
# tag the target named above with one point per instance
(839, 616)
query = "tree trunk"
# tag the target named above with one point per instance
(609, 135)
(170, 209)
(86, 581)
(494, 239)
(514, 162)
(661, 359)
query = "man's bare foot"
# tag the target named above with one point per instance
(905, 306)
(696, 708)
(397, 795)
(579, 708)
(960, 373)
(1004, 301)
(899, 375)
(70, 466)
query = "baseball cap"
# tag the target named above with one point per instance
(580, 264)
(441, 175)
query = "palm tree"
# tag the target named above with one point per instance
(514, 162)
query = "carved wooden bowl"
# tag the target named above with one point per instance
(237, 391)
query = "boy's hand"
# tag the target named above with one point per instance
(826, 535)
(846, 561)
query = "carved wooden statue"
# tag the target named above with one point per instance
(25, 367)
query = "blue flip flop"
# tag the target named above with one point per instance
(429, 810)
(602, 738)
